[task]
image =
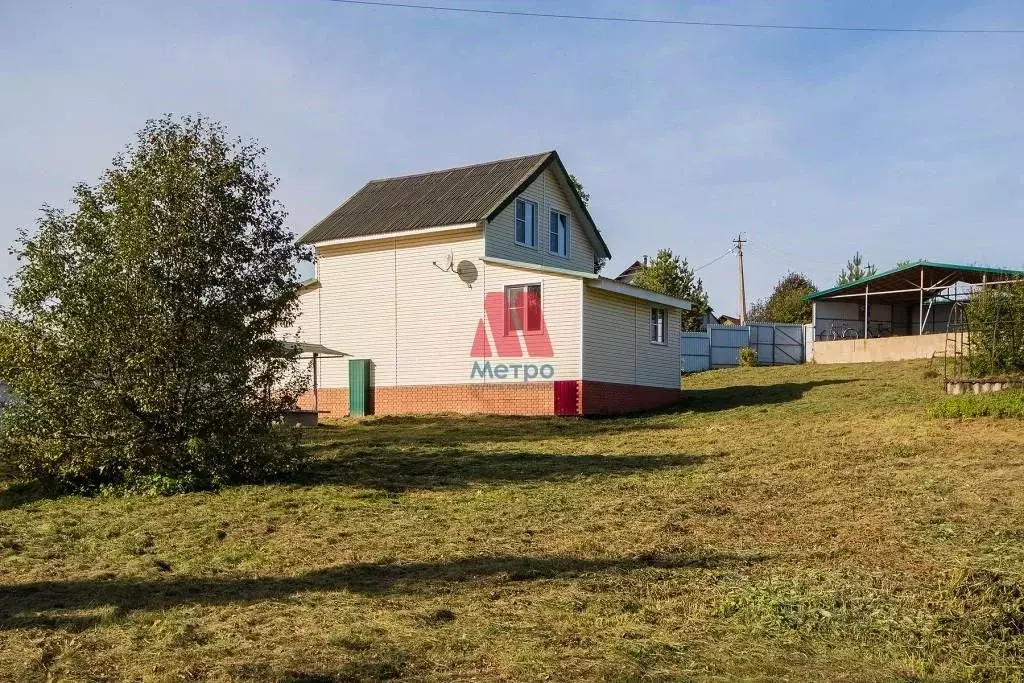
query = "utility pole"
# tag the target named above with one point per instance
(743, 291)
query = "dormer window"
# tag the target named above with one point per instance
(526, 223)
(558, 234)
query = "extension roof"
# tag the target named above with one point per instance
(904, 283)
(453, 196)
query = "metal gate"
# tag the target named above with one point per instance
(718, 346)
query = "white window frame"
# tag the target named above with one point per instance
(568, 230)
(527, 229)
(658, 323)
(525, 286)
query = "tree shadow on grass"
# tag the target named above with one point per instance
(465, 430)
(726, 398)
(17, 494)
(52, 604)
(390, 469)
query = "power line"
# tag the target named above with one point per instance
(714, 260)
(679, 22)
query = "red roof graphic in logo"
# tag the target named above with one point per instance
(524, 307)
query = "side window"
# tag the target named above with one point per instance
(526, 223)
(657, 325)
(523, 310)
(558, 234)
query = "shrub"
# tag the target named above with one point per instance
(996, 322)
(139, 341)
(999, 404)
(748, 356)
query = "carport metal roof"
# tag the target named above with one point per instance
(913, 282)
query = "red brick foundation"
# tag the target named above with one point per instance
(513, 398)
(607, 398)
(532, 398)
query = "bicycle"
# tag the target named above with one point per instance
(835, 332)
(879, 331)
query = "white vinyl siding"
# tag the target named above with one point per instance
(307, 322)
(617, 341)
(547, 192)
(386, 301)
(560, 301)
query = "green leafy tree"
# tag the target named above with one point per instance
(786, 303)
(139, 340)
(855, 270)
(599, 263)
(672, 275)
(996, 327)
(584, 195)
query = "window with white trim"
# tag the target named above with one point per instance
(526, 223)
(657, 325)
(558, 233)
(523, 311)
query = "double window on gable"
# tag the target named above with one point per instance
(526, 228)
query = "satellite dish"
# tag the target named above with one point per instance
(449, 263)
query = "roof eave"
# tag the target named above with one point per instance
(617, 287)
(397, 235)
(818, 296)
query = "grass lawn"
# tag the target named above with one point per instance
(800, 523)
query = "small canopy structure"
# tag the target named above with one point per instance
(315, 352)
(919, 283)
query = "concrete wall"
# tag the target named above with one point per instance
(880, 350)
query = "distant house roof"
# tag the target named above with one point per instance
(904, 284)
(727, 320)
(453, 196)
(629, 273)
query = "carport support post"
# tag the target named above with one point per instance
(867, 315)
(316, 398)
(920, 313)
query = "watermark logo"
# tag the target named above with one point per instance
(511, 341)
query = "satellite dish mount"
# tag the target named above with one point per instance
(449, 263)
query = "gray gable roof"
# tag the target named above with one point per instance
(467, 194)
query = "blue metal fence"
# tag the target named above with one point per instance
(718, 346)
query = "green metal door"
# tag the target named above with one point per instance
(360, 381)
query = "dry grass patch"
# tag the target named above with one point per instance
(809, 523)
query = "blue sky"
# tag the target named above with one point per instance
(815, 145)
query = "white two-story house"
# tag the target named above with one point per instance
(473, 290)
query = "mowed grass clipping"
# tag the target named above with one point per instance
(798, 523)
